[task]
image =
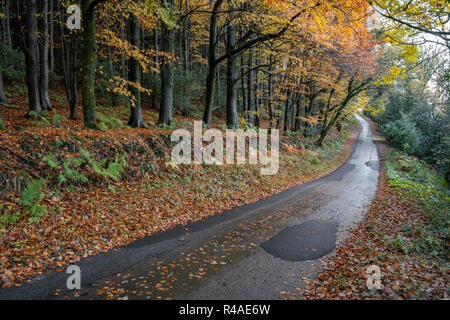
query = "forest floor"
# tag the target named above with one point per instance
(400, 234)
(69, 193)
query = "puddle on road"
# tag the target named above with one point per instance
(340, 173)
(307, 241)
(373, 164)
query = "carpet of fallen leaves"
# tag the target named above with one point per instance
(93, 218)
(411, 275)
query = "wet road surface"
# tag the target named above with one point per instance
(265, 250)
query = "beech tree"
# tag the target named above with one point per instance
(32, 59)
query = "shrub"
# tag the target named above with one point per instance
(403, 135)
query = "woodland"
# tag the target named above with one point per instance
(90, 91)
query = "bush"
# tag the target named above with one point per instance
(403, 135)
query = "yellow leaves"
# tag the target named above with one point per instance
(410, 53)
(310, 119)
(359, 104)
(394, 73)
(280, 4)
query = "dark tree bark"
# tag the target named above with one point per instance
(167, 73)
(88, 60)
(8, 24)
(270, 94)
(232, 118)
(51, 34)
(251, 90)
(32, 58)
(244, 97)
(298, 115)
(43, 57)
(286, 114)
(3, 100)
(123, 63)
(154, 96)
(136, 119)
(212, 64)
(70, 44)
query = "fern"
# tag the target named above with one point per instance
(58, 119)
(73, 174)
(114, 169)
(51, 161)
(32, 197)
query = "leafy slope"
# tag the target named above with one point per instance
(84, 219)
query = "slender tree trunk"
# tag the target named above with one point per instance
(8, 24)
(270, 93)
(52, 32)
(232, 119)
(3, 23)
(244, 97)
(70, 69)
(3, 99)
(167, 73)
(251, 90)
(123, 64)
(212, 64)
(88, 60)
(286, 114)
(136, 119)
(257, 97)
(298, 115)
(155, 90)
(186, 29)
(43, 55)
(32, 58)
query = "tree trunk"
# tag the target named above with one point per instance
(167, 73)
(212, 64)
(286, 114)
(52, 32)
(155, 90)
(232, 119)
(298, 115)
(70, 69)
(3, 99)
(88, 60)
(43, 55)
(8, 24)
(244, 97)
(32, 58)
(270, 98)
(251, 90)
(123, 64)
(136, 119)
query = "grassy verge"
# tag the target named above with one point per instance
(405, 234)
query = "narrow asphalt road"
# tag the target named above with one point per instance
(265, 250)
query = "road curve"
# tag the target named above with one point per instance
(264, 250)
